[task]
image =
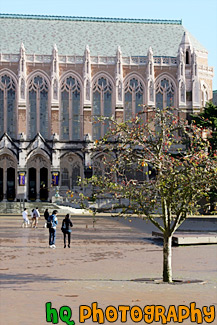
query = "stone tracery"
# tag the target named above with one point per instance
(165, 93)
(8, 105)
(38, 106)
(102, 105)
(134, 97)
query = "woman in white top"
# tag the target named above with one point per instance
(25, 219)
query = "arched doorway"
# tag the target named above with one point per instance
(39, 177)
(32, 184)
(10, 184)
(70, 171)
(43, 184)
(1, 184)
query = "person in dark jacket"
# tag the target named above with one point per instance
(46, 215)
(53, 221)
(66, 229)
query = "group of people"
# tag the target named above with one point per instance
(51, 223)
(35, 215)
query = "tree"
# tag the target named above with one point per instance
(159, 168)
(207, 120)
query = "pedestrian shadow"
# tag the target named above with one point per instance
(26, 278)
(10, 280)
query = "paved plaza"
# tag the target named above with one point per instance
(103, 259)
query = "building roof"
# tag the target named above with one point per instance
(103, 35)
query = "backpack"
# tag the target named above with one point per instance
(35, 214)
(49, 223)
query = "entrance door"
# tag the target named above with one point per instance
(43, 184)
(1, 184)
(10, 184)
(32, 184)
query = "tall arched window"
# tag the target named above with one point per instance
(71, 170)
(101, 167)
(134, 98)
(187, 57)
(76, 173)
(38, 107)
(165, 93)
(7, 106)
(102, 106)
(70, 109)
(65, 177)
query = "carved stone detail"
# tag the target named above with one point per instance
(87, 77)
(22, 74)
(119, 78)
(55, 74)
(150, 78)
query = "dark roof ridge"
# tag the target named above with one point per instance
(95, 19)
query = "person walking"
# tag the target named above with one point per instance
(52, 222)
(66, 229)
(36, 215)
(46, 215)
(25, 218)
(32, 218)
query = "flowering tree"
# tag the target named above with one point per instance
(159, 168)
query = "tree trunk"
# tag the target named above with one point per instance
(167, 259)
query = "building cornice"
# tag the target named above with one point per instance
(93, 19)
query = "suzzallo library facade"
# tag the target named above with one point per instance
(58, 73)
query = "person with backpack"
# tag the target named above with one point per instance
(52, 222)
(36, 215)
(66, 229)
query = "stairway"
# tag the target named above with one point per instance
(16, 208)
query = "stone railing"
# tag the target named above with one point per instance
(101, 60)
(108, 60)
(165, 61)
(206, 69)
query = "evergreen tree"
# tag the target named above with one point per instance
(207, 120)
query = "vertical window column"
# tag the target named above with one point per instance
(7, 106)
(134, 98)
(38, 107)
(165, 94)
(70, 109)
(102, 106)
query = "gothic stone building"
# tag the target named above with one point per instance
(58, 73)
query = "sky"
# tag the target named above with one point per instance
(199, 17)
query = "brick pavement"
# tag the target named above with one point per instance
(97, 268)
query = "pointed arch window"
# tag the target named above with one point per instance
(187, 57)
(102, 106)
(76, 173)
(101, 167)
(38, 107)
(165, 93)
(70, 172)
(134, 98)
(70, 128)
(8, 104)
(65, 177)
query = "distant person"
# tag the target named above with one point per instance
(36, 216)
(32, 218)
(25, 218)
(52, 222)
(66, 229)
(46, 215)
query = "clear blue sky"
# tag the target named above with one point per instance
(198, 16)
